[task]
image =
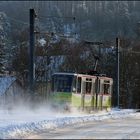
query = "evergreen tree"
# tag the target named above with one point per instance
(2, 44)
(4, 29)
(2, 56)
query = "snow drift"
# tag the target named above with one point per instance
(17, 125)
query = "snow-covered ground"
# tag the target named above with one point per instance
(23, 122)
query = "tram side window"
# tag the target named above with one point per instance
(106, 89)
(74, 85)
(79, 85)
(88, 87)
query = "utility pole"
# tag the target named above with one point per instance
(118, 70)
(31, 51)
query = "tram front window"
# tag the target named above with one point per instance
(62, 83)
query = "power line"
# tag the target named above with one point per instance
(61, 35)
(135, 52)
(129, 51)
(46, 17)
(38, 17)
(19, 21)
(51, 34)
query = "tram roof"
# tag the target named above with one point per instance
(64, 73)
(104, 77)
(82, 75)
(76, 74)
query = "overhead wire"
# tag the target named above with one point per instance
(46, 17)
(60, 34)
(135, 52)
(129, 51)
(19, 21)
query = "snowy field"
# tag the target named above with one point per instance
(23, 122)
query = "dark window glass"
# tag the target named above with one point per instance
(62, 83)
(88, 87)
(79, 85)
(106, 88)
(74, 84)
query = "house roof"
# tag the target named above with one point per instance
(5, 83)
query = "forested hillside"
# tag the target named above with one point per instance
(93, 19)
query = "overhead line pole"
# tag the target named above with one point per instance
(31, 51)
(118, 71)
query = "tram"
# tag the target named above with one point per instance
(82, 91)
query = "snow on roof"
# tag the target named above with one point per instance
(76, 74)
(5, 83)
(63, 73)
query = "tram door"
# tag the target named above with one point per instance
(88, 93)
(105, 91)
(84, 95)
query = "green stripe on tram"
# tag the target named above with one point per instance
(62, 97)
(76, 100)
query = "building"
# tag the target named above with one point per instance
(10, 91)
